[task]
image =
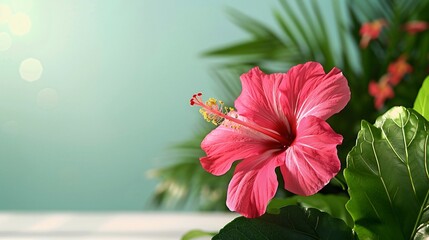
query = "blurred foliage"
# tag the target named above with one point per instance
(186, 184)
(305, 33)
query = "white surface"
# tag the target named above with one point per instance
(107, 226)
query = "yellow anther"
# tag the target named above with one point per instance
(213, 110)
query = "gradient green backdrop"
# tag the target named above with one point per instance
(123, 73)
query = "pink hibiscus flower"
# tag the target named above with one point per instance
(279, 122)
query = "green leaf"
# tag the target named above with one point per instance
(332, 204)
(421, 105)
(293, 222)
(193, 234)
(258, 47)
(387, 175)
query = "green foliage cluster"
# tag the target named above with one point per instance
(304, 33)
(385, 184)
(387, 175)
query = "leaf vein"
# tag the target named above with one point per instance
(406, 153)
(372, 205)
(379, 168)
(419, 217)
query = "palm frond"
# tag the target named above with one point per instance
(257, 29)
(185, 184)
(228, 82)
(301, 39)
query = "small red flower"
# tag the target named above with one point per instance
(370, 31)
(414, 27)
(381, 91)
(398, 69)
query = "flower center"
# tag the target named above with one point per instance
(214, 111)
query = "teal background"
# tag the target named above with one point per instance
(124, 72)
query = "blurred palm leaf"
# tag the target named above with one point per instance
(186, 184)
(308, 30)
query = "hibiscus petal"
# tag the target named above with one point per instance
(310, 91)
(254, 184)
(224, 145)
(312, 160)
(260, 100)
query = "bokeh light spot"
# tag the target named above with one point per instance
(5, 13)
(31, 69)
(5, 41)
(22, 5)
(19, 24)
(47, 98)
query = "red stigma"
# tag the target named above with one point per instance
(196, 98)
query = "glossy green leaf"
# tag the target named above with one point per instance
(421, 105)
(293, 222)
(387, 175)
(332, 204)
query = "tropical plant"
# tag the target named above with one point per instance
(335, 39)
